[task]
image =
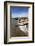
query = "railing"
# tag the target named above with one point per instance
(22, 23)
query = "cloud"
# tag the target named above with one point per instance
(19, 15)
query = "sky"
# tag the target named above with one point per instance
(19, 11)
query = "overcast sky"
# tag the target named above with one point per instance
(19, 11)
